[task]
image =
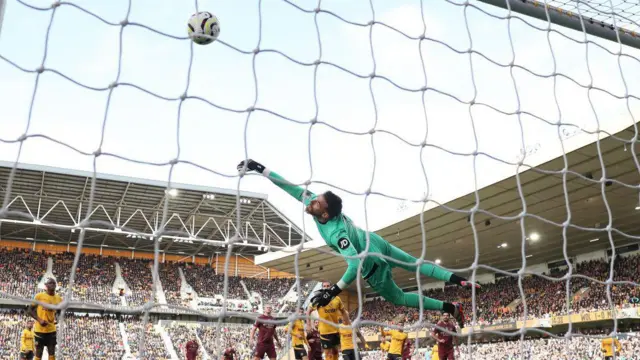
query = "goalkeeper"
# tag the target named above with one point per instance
(340, 234)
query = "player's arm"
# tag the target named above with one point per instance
(32, 311)
(340, 241)
(252, 334)
(275, 336)
(297, 192)
(310, 309)
(362, 340)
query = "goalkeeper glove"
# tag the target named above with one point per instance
(323, 297)
(251, 166)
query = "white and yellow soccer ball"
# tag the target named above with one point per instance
(203, 28)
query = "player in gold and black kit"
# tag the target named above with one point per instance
(27, 347)
(45, 326)
(296, 328)
(347, 344)
(329, 336)
(398, 337)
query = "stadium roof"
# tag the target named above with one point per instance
(450, 237)
(48, 204)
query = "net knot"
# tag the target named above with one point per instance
(22, 137)
(314, 121)
(250, 109)
(317, 10)
(174, 162)
(256, 50)
(183, 97)
(97, 153)
(372, 131)
(124, 22)
(113, 85)
(372, 75)
(317, 62)
(55, 4)
(40, 69)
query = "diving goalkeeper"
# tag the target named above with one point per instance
(340, 234)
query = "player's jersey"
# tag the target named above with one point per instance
(434, 352)
(608, 345)
(26, 341)
(384, 346)
(315, 347)
(49, 315)
(397, 341)
(265, 330)
(340, 233)
(297, 328)
(406, 349)
(228, 354)
(448, 339)
(332, 312)
(346, 339)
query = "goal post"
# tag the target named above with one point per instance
(3, 4)
(578, 20)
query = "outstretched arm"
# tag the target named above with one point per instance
(297, 192)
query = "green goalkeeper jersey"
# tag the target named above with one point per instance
(339, 233)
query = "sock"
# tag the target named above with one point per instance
(52, 357)
(37, 358)
(455, 279)
(449, 308)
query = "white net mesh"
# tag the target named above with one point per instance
(412, 103)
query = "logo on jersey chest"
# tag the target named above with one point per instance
(343, 243)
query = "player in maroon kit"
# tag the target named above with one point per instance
(191, 349)
(313, 340)
(406, 350)
(445, 340)
(230, 354)
(266, 335)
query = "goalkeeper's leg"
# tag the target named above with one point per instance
(429, 270)
(382, 282)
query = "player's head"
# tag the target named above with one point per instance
(267, 309)
(28, 324)
(301, 311)
(315, 324)
(325, 206)
(326, 285)
(446, 317)
(50, 285)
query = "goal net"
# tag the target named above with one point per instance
(400, 107)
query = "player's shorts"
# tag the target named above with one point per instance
(394, 357)
(26, 355)
(262, 349)
(299, 353)
(43, 340)
(349, 354)
(445, 354)
(329, 341)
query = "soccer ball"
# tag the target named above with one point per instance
(204, 28)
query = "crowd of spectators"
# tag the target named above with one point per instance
(90, 337)
(11, 325)
(94, 277)
(137, 273)
(543, 297)
(170, 279)
(81, 336)
(20, 271)
(153, 346)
